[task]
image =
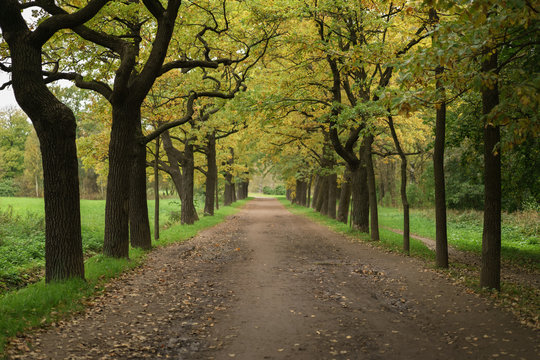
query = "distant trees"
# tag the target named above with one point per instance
(14, 129)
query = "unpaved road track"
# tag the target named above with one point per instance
(270, 285)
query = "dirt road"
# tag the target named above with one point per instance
(270, 285)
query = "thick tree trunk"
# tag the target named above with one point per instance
(372, 190)
(360, 199)
(242, 189)
(55, 126)
(344, 198)
(490, 275)
(188, 214)
(211, 175)
(441, 238)
(322, 198)
(228, 194)
(303, 197)
(300, 192)
(63, 242)
(303, 193)
(297, 190)
(332, 195)
(121, 145)
(156, 192)
(139, 224)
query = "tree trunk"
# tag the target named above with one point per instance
(316, 191)
(156, 192)
(229, 193)
(441, 238)
(211, 175)
(242, 189)
(55, 126)
(322, 199)
(344, 198)
(303, 193)
(404, 200)
(360, 199)
(490, 275)
(63, 242)
(372, 192)
(188, 214)
(217, 190)
(332, 196)
(173, 159)
(121, 145)
(139, 224)
(37, 185)
(298, 192)
(309, 191)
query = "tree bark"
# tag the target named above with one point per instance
(344, 198)
(139, 224)
(230, 192)
(322, 199)
(211, 175)
(55, 126)
(156, 192)
(217, 190)
(404, 200)
(63, 241)
(188, 213)
(332, 195)
(309, 191)
(121, 145)
(441, 237)
(316, 191)
(372, 190)
(360, 199)
(490, 275)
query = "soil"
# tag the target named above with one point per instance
(267, 284)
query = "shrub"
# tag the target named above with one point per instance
(8, 187)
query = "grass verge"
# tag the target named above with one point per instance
(40, 304)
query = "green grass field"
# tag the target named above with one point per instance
(520, 238)
(37, 304)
